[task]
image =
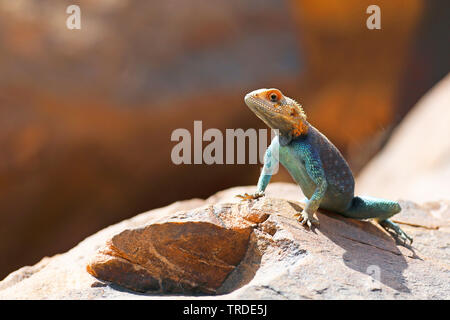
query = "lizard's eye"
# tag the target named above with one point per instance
(273, 97)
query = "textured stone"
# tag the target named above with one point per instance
(186, 252)
(266, 254)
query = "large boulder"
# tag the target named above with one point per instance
(223, 248)
(415, 164)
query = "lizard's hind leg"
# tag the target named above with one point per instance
(371, 208)
(378, 209)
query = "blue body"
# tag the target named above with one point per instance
(324, 176)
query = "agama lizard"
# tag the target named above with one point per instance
(314, 163)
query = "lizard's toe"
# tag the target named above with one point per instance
(253, 196)
(305, 218)
(405, 238)
(389, 225)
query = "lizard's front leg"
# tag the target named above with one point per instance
(312, 205)
(270, 165)
(263, 181)
(314, 168)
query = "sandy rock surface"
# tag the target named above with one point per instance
(223, 248)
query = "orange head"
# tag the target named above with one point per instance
(278, 111)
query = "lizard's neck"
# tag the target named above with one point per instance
(299, 129)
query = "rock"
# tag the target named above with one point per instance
(415, 164)
(184, 252)
(217, 248)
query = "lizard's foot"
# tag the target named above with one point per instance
(305, 218)
(253, 196)
(389, 225)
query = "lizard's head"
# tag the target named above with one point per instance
(278, 111)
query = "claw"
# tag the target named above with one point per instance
(404, 236)
(247, 196)
(305, 218)
(389, 225)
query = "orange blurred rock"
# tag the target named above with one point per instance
(86, 115)
(353, 74)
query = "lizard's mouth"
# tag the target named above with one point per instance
(255, 104)
(261, 109)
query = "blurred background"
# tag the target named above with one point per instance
(86, 115)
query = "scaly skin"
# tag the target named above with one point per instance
(314, 163)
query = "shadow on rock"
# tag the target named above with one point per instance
(368, 249)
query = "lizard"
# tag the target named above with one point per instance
(314, 163)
